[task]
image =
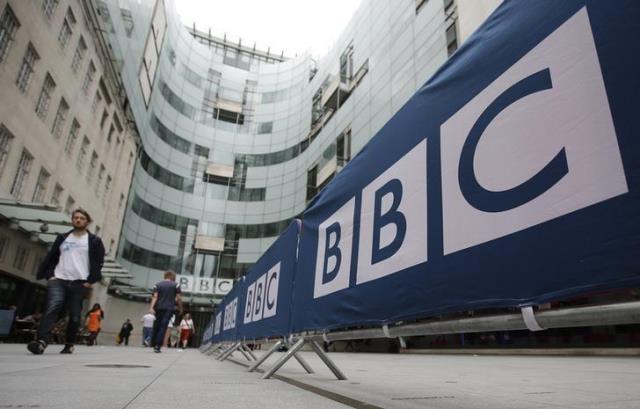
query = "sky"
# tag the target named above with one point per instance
(295, 26)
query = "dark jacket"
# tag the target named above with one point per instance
(96, 258)
(126, 329)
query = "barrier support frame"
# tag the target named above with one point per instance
(293, 352)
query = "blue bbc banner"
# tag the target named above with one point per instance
(229, 310)
(207, 336)
(216, 335)
(268, 288)
(511, 178)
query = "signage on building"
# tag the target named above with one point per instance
(204, 285)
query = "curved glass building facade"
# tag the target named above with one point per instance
(236, 141)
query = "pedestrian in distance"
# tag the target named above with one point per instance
(167, 342)
(147, 328)
(166, 295)
(93, 323)
(125, 332)
(71, 267)
(186, 330)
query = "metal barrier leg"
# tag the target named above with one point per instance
(218, 350)
(327, 361)
(295, 348)
(250, 352)
(222, 351)
(226, 354)
(304, 363)
(264, 356)
(243, 351)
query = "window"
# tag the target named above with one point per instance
(346, 65)
(99, 181)
(265, 127)
(6, 138)
(343, 148)
(107, 187)
(451, 18)
(97, 100)
(78, 56)
(312, 176)
(88, 78)
(49, 7)
(82, 154)
(22, 173)
(112, 129)
(105, 115)
(72, 138)
(41, 186)
(26, 69)
(121, 202)
(151, 55)
(103, 88)
(22, 254)
(8, 26)
(55, 196)
(61, 116)
(48, 87)
(66, 31)
(168, 136)
(93, 163)
(452, 39)
(419, 4)
(127, 20)
(68, 207)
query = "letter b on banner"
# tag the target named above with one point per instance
(333, 260)
(332, 253)
(393, 225)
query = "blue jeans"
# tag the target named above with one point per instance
(147, 332)
(160, 327)
(61, 293)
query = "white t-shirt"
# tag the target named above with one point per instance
(74, 258)
(147, 320)
(186, 324)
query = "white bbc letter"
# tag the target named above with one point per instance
(333, 261)
(271, 292)
(536, 144)
(234, 312)
(258, 298)
(248, 306)
(393, 221)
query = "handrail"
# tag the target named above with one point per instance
(609, 314)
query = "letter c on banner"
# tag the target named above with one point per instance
(392, 216)
(500, 201)
(332, 250)
(270, 302)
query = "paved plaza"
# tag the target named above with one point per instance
(134, 377)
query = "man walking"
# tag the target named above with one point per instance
(70, 267)
(147, 328)
(166, 294)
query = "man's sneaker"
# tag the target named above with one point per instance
(146, 343)
(37, 347)
(68, 349)
(157, 350)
